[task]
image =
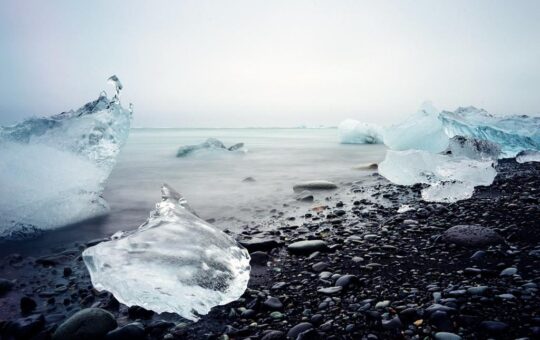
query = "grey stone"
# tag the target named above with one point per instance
(87, 324)
(471, 236)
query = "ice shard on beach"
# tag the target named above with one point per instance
(53, 169)
(513, 133)
(354, 132)
(528, 156)
(175, 262)
(449, 178)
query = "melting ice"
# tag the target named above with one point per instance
(175, 262)
(355, 132)
(53, 169)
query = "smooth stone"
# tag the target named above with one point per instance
(319, 266)
(493, 326)
(509, 271)
(273, 335)
(132, 331)
(305, 196)
(382, 304)
(479, 290)
(307, 247)
(87, 324)
(137, 312)
(27, 305)
(330, 290)
(471, 236)
(314, 185)
(259, 258)
(446, 336)
(300, 328)
(346, 280)
(254, 245)
(273, 303)
(394, 323)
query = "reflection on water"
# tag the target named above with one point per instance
(212, 181)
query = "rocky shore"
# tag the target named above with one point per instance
(353, 268)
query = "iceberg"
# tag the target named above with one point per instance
(354, 132)
(460, 146)
(211, 144)
(449, 178)
(513, 133)
(528, 156)
(175, 262)
(421, 131)
(53, 169)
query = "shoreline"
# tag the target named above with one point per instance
(398, 278)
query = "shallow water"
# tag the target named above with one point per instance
(212, 181)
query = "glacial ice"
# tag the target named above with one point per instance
(355, 132)
(449, 178)
(211, 144)
(528, 156)
(460, 146)
(53, 169)
(421, 131)
(175, 262)
(512, 133)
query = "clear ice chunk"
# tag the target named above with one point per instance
(449, 178)
(421, 131)
(175, 262)
(528, 156)
(211, 144)
(354, 132)
(512, 133)
(53, 169)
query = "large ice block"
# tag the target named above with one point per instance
(512, 133)
(449, 178)
(175, 262)
(354, 132)
(421, 131)
(53, 169)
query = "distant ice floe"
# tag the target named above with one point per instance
(53, 169)
(453, 152)
(175, 262)
(355, 132)
(211, 144)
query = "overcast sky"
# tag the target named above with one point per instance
(269, 63)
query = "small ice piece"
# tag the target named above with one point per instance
(404, 208)
(211, 144)
(473, 148)
(512, 133)
(53, 169)
(354, 132)
(175, 262)
(528, 156)
(421, 131)
(449, 178)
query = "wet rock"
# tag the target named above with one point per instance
(446, 336)
(273, 335)
(132, 331)
(299, 328)
(346, 280)
(314, 185)
(259, 258)
(273, 303)
(137, 312)
(330, 290)
(87, 324)
(319, 266)
(305, 196)
(307, 247)
(255, 244)
(471, 236)
(493, 327)
(509, 271)
(27, 305)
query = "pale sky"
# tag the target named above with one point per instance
(269, 63)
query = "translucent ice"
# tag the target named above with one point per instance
(528, 156)
(175, 262)
(53, 169)
(449, 178)
(512, 133)
(421, 131)
(355, 132)
(473, 148)
(211, 144)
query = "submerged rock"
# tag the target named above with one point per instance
(471, 236)
(314, 185)
(175, 262)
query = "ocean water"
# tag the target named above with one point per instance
(212, 181)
